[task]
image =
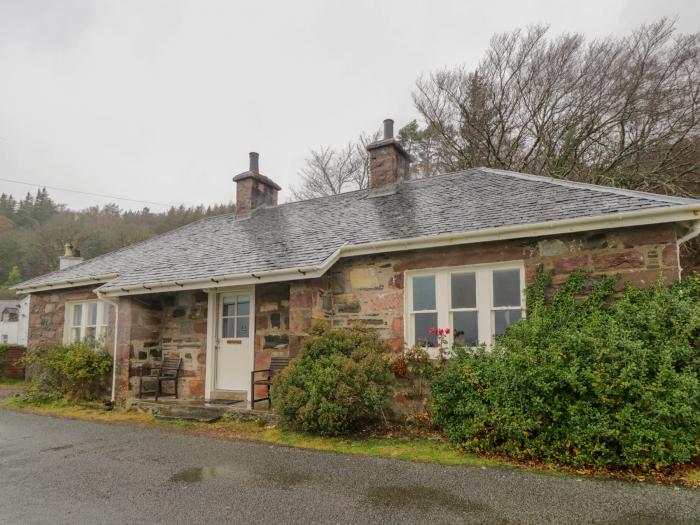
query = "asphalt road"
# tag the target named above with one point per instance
(61, 471)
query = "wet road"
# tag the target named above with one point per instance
(61, 471)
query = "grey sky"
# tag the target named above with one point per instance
(162, 100)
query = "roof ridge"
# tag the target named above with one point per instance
(593, 187)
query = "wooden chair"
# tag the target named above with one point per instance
(276, 365)
(167, 371)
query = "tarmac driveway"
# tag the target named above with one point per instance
(62, 471)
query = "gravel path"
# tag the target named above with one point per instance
(63, 471)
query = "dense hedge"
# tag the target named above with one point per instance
(588, 378)
(340, 381)
(76, 371)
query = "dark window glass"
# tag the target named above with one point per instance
(506, 288)
(463, 290)
(504, 318)
(424, 293)
(242, 327)
(465, 327)
(423, 324)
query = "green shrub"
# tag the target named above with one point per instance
(76, 371)
(340, 380)
(587, 378)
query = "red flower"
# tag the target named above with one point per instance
(441, 331)
(447, 331)
(431, 331)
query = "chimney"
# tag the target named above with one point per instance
(388, 161)
(69, 257)
(254, 189)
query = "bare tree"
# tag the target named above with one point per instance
(619, 111)
(329, 171)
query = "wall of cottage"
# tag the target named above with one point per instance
(165, 325)
(369, 289)
(47, 315)
(366, 289)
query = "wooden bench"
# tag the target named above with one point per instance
(277, 364)
(167, 371)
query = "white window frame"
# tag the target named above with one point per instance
(443, 298)
(102, 321)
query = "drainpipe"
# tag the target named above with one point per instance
(114, 353)
(693, 231)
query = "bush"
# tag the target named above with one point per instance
(76, 371)
(586, 379)
(340, 381)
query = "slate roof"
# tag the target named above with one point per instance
(306, 233)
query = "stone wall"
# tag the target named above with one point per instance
(369, 289)
(164, 325)
(47, 316)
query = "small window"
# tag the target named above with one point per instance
(235, 318)
(87, 321)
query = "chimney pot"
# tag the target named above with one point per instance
(254, 165)
(388, 129)
(70, 257)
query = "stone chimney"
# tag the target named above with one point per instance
(254, 189)
(388, 161)
(69, 258)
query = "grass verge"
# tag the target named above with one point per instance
(414, 447)
(6, 382)
(408, 448)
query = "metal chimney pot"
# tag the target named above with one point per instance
(388, 129)
(254, 162)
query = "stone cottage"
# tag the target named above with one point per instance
(456, 250)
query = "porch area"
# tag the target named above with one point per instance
(219, 336)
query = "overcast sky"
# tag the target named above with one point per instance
(162, 100)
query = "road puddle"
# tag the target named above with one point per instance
(425, 500)
(195, 474)
(62, 447)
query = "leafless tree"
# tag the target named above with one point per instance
(617, 111)
(329, 171)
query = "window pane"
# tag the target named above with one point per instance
(77, 314)
(504, 318)
(424, 293)
(423, 323)
(465, 326)
(75, 335)
(463, 290)
(244, 307)
(105, 313)
(228, 328)
(229, 307)
(92, 314)
(90, 333)
(243, 326)
(506, 288)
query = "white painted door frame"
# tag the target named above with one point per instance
(213, 334)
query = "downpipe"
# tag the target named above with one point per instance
(114, 352)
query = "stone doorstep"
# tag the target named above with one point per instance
(199, 411)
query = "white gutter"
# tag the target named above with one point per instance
(66, 283)
(101, 297)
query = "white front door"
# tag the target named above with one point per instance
(235, 328)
